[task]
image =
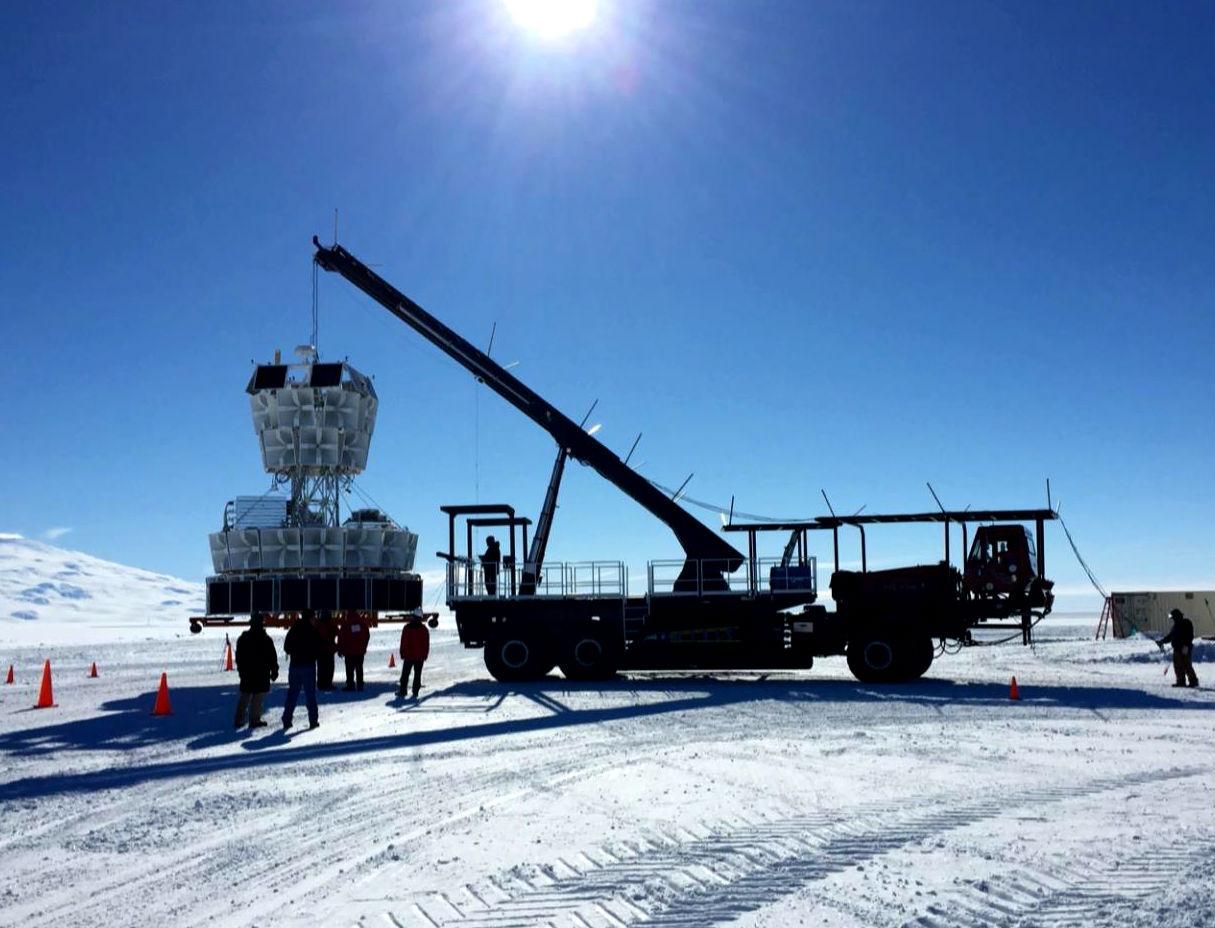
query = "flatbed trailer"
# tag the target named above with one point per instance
(715, 607)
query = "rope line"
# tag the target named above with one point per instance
(1076, 551)
(713, 507)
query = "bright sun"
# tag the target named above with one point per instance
(552, 19)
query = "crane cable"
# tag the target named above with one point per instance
(722, 510)
(1076, 551)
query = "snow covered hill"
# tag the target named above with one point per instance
(49, 593)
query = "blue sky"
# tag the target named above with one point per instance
(845, 245)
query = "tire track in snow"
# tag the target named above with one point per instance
(1081, 892)
(324, 850)
(731, 868)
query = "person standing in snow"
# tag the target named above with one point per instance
(1181, 636)
(415, 648)
(353, 638)
(491, 560)
(303, 645)
(324, 659)
(257, 664)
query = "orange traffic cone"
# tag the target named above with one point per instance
(162, 706)
(46, 698)
(93, 671)
(392, 660)
(1013, 692)
(228, 657)
(9, 678)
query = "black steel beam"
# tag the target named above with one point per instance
(698, 541)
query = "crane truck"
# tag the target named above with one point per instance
(716, 607)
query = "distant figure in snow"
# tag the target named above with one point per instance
(353, 638)
(1181, 636)
(415, 648)
(490, 561)
(303, 645)
(324, 660)
(257, 664)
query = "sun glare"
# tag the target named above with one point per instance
(552, 19)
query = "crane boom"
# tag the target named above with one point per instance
(699, 542)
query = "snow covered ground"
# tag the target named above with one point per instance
(676, 799)
(48, 593)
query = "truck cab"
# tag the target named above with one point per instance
(1001, 565)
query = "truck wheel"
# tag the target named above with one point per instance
(919, 653)
(588, 660)
(514, 660)
(876, 658)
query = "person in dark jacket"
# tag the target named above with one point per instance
(324, 659)
(415, 648)
(303, 645)
(353, 638)
(257, 664)
(1181, 636)
(491, 560)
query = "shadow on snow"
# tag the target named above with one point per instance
(202, 718)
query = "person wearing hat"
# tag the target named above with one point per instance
(491, 560)
(1181, 636)
(415, 648)
(303, 645)
(257, 664)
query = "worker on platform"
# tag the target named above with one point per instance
(324, 660)
(303, 645)
(257, 664)
(415, 648)
(491, 560)
(353, 638)
(1181, 636)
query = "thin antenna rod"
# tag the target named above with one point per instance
(492, 333)
(1048, 505)
(731, 522)
(634, 448)
(934, 496)
(315, 308)
(675, 498)
(588, 414)
(830, 508)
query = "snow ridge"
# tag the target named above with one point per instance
(56, 589)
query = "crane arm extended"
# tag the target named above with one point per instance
(698, 541)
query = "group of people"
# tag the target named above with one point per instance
(311, 643)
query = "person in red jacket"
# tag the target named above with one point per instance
(415, 648)
(352, 641)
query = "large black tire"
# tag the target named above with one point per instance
(919, 653)
(876, 657)
(588, 659)
(516, 659)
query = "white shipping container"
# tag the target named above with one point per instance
(1149, 612)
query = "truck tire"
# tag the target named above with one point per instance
(877, 657)
(918, 657)
(588, 659)
(516, 659)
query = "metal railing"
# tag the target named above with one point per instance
(597, 579)
(709, 578)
